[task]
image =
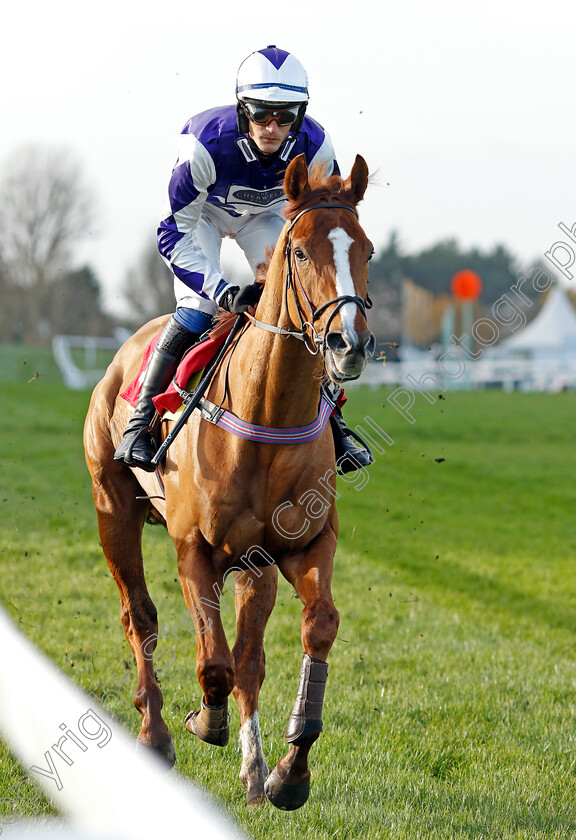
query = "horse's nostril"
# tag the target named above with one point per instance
(337, 343)
(342, 343)
(370, 346)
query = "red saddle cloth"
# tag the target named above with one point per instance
(194, 360)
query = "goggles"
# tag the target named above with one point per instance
(262, 116)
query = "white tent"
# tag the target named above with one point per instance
(550, 337)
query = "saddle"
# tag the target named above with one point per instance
(193, 362)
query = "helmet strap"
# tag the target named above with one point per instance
(295, 128)
(242, 119)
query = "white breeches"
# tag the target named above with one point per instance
(254, 234)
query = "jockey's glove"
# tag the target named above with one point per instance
(237, 300)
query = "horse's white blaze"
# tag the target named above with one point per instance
(253, 760)
(344, 283)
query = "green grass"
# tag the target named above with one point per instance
(21, 364)
(450, 708)
(25, 364)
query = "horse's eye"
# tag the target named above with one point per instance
(300, 255)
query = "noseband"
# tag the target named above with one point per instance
(318, 341)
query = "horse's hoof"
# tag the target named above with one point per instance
(255, 795)
(211, 724)
(257, 802)
(165, 751)
(284, 796)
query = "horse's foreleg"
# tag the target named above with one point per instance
(255, 598)
(214, 665)
(120, 521)
(288, 785)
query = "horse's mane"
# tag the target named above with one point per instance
(322, 190)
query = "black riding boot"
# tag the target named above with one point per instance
(138, 447)
(349, 456)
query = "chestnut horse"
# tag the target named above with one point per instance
(233, 504)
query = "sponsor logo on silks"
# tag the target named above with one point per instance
(256, 198)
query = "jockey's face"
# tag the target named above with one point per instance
(268, 137)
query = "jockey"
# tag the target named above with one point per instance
(228, 182)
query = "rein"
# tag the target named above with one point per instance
(318, 342)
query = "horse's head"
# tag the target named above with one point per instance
(327, 264)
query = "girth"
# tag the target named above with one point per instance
(264, 434)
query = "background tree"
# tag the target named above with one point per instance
(76, 305)
(45, 209)
(433, 269)
(10, 328)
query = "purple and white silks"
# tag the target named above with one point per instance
(220, 187)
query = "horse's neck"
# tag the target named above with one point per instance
(279, 380)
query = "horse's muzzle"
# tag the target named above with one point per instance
(346, 353)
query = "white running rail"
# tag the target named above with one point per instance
(86, 763)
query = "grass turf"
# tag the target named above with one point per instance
(450, 704)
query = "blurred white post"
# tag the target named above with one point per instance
(86, 763)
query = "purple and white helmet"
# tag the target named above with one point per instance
(272, 76)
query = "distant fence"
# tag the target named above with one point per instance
(83, 359)
(509, 374)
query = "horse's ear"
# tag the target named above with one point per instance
(296, 178)
(358, 180)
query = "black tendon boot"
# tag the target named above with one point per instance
(138, 447)
(349, 456)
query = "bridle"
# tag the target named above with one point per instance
(293, 284)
